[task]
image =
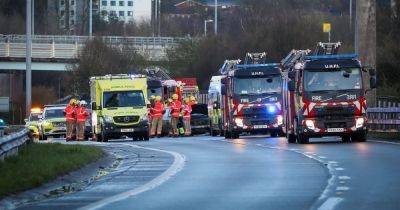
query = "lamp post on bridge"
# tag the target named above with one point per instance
(205, 26)
(28, 59)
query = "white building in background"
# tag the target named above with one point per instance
(126, 10)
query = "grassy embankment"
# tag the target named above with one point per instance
(37, 164)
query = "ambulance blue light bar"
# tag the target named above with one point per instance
(257, 65)
(330, 57)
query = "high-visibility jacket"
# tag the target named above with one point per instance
(69, 113)
(158, 110)
(175, 108)
(187, 111)
(76, 111)
(81, 114)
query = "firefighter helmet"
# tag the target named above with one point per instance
(175, 96)
(158, 98)
(72, 101)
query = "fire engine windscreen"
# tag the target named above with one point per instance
(252, 86)
(325, 80)
(123, 99)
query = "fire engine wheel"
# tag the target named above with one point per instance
(302, 139)
(235, 135)
(345, 139)
(274, 134)
(362, 137)
(291, 138)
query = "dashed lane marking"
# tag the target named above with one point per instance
(330, 203)
(177, 165)
(342, 188)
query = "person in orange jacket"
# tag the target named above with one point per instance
(70, 119)
(187, 110)
(176, 107)
(157, 121)
(81, 115)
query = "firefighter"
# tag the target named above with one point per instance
(150, 109)
(176, 107)
(157, 121)
(70, 119)
(81, 115)
(186, 116)
(75, 126)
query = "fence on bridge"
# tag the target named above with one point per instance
(69, 47)
(386, 116)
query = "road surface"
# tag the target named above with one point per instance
(248, 173)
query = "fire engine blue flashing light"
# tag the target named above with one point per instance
(257, 65)
(271, 109)
(340, 56)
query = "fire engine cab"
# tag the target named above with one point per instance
(325, 94)
(251, 99)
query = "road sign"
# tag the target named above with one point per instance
(326, 27)
(4, 104)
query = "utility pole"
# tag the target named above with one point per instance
(365, 38)
(28, 61)
(216, 17)
(33, 17)
(155, 18)
(159, 18)
(90, 18)
(351, 14)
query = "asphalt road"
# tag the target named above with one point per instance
(260, 173)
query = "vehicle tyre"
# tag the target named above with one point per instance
(345, 139)
(104, 137)
(361, 137)
(302, 139)
(227, 134)
(146, 137)
(291, 138)
(235, 135)
(98, 138)
(274, 134)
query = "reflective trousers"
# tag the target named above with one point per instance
(174, 126)
(80, 130)
(70, 129)
(188, 128)
(156, 126)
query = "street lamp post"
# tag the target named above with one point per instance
(90, 18)
(205, 26)
(216, 17)
(28, 61)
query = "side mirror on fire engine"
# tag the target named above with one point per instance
(292, 74)
(372, 72)
(292, 85)
(223, 91)
(372, 83)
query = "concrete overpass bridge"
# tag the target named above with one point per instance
(54, 53)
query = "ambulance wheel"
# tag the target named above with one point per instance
(104, 137)
(235, 135)
(146, 137)
(227, 134)
(291, 138)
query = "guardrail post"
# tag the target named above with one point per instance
(8, 48)
(53, 49)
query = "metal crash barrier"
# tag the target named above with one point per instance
(10, 144)
(384, 119)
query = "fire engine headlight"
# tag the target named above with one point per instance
(108, 119)
(359, 122)
(310, 124)
(279, 119)
(271, 109)
(239, 122)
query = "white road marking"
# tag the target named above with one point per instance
(342, 188)
(332, 162)
(384, 142)
(344, 177)
(330, 203)
(177, 165)
(322, 157)
(339, 169)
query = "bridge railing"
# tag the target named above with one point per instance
(69, 47)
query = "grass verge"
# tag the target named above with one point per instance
(393, 136)
(37, 164)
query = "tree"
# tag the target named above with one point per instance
(98, 59)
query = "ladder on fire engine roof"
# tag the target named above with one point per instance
(229, 65)
(295, 55)
(157, 73)
(327, 48)
(255, 58)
